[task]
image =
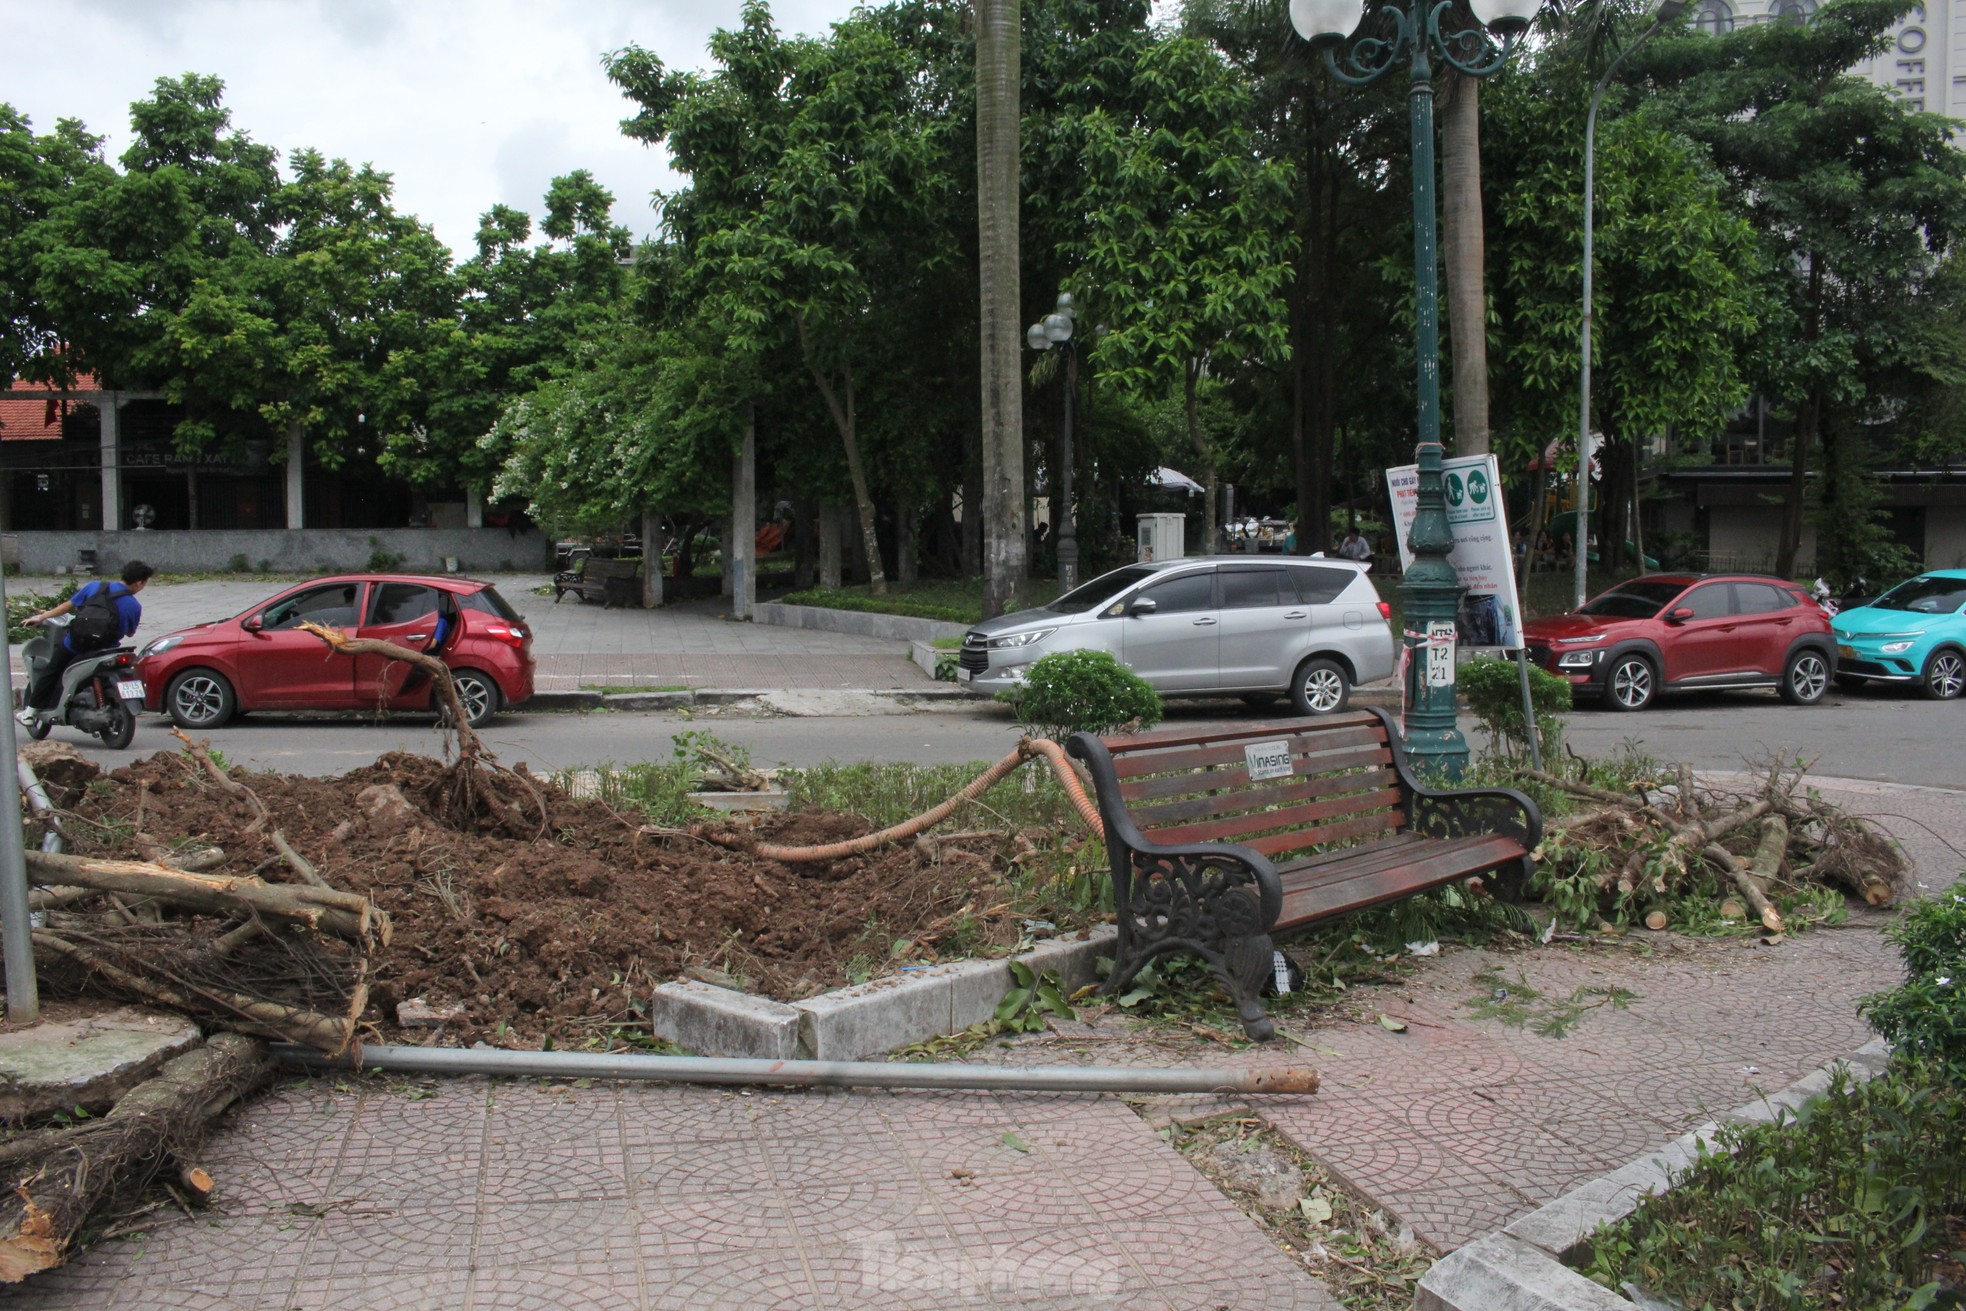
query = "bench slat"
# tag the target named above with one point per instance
(1258, 797)
(1163, 786)
(1355, 888)
(1377, 822)
(1234, 828)
(1139, 765)
(1176, 737)
(1297, 871)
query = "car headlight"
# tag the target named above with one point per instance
(1893, 648)
(159, 646)
(1021, 639)
(1577, 659)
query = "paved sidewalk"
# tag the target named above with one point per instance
(379, 1194)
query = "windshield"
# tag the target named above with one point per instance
(1092, 595)
(1925, 596)
(1642, 598)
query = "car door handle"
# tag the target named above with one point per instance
(415, 637)
(1294, 614)
(1202, 623)
(1783, 623)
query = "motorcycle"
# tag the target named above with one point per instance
(100, 692)
(1825, 599)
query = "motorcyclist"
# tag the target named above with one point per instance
(44, 693)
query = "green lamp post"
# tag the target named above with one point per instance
(1475, 40)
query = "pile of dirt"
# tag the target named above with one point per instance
(562, 935)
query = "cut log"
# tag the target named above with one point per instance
(52, 1193)
(343, 914)
(1766, 865)
(195, 1183)
(1656, 920)
(1771, 919)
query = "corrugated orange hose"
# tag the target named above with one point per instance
(1027, 749)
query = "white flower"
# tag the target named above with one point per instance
(1943, 981)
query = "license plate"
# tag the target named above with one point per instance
(130, 689)
(1847, 652)
(962, 675)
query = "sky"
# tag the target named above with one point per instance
(467, 103)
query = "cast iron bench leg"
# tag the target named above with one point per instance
(1206, 907)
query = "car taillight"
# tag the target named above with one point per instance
(1386, 611)
(506, 633)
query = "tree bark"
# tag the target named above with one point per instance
(72, 1171)
(344, 914)
(998, 115)
(1465, 247)
(847, 421)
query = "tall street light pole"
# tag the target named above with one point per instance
(1666, 11)
(1476, 41)
(1055, 329)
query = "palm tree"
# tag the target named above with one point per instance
(1465, 247)
(998, 82)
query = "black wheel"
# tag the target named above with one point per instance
(200, 699)
(122, 725)
(41, 728)
(478, 693)
(1630, 684)
(1945, 674)
(1320, 688)
(1805, 678)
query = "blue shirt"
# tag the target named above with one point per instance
(129, 613)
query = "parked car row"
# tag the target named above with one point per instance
(1686, 632)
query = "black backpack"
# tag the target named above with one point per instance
(96, 624)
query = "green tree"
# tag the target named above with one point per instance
(998, 133)
(1183, 263)
(1855, 199)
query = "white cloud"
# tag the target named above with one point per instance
(467, 103)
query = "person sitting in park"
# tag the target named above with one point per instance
(1355, 547)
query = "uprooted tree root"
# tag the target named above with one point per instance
(475, 791)
(1655, 842)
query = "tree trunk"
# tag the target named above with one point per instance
(651, 559)
(906, 566)
(78, 1168)
(1210, 514)
(829, 545)
(1807, 418)
(805, 543)
(970, 547)
(847, 421)
(1464, 246)
(998, 114)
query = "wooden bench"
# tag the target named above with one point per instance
(592, 578)
(1221, 838)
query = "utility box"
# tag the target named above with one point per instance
(1162, 537)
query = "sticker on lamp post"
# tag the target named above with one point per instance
(1440, 653)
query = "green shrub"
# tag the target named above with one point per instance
(1493, 691)
(1082, 691)
(1924, 1018)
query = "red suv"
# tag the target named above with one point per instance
(261, 660)
(1682, 632)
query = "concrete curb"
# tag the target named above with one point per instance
(860, 623)
(867, 1019)
(723, 696)
(1527, 1266)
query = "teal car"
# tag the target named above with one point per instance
(1914, 633)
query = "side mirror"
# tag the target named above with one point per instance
(1143, 606)
(253, 624)
(1680, 614)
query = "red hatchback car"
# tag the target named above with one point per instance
(1683, 632)
(261, 660)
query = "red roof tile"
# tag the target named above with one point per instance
(36, 418)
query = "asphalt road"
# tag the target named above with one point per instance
(1887, 736)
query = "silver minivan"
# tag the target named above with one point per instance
(1304, 627)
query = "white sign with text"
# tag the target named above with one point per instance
(1482, 555)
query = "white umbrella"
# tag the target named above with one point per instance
(1173, 479)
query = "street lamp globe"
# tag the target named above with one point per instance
(1504, 17)
(1325, 23)
(1034, 337)
(1057, 328)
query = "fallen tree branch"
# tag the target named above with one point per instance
(1771, 919)
(344, 914)
(74, 1171)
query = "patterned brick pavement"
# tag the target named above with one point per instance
(523, 1195)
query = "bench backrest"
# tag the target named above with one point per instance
(1281, 787)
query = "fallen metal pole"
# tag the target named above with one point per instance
(804, 1074)
(37, 800)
